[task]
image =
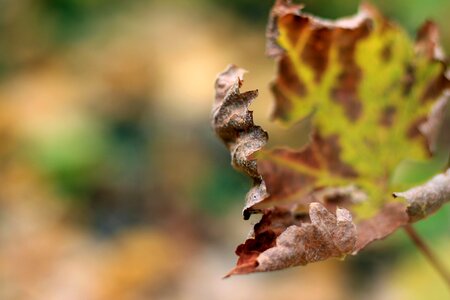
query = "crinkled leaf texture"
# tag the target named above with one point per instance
(379, 110)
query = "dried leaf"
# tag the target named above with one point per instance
(365, 125)
(427, 198)
(233, 123)
(285, 238)
(291, 175)
(334, 196)
(322, 236)
(332, 69)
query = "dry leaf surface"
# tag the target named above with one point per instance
(334, 196)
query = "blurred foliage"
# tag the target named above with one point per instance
(32, 30)
(220, 186)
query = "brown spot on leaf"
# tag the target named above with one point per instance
(408, 80)
(345, 92)
(287, 81)
(294, 26)
(387, 116)
(413, 130)
(386, 52)
(315, 52)
(288, 78)
(331, 151)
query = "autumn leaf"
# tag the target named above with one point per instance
(299, 241)
(427, 198)
(379, 112)
(367, 85)
(233, 124)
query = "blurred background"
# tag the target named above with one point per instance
(112, 183)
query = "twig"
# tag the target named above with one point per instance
(432, 259)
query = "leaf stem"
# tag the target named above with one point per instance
(432, 259)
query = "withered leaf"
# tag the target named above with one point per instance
(322, 236)
(394, 127)
(331, 69)
(369, 133)
(427, 198)
(233, 124)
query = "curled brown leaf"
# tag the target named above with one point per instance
(425, 199)
(437, 125)
(284, 240)
(233, 123)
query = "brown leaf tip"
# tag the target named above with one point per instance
(328, 235)
(427, 198)
(435, 127)
(231, 77)
(282, 241)
(280, 9)
(233, 123)
(428, 41)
